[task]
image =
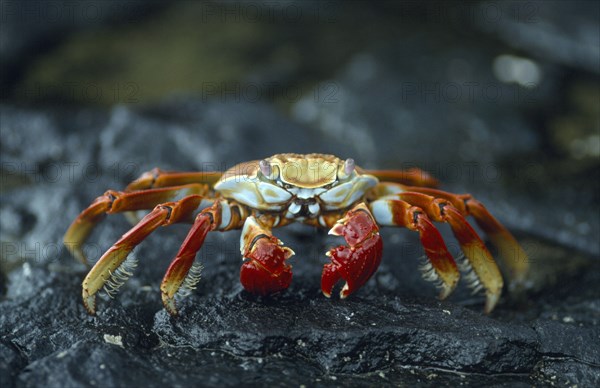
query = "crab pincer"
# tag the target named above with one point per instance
(265, 270)
(356, 262)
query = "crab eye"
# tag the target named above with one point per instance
(349, 166)
(265, 168)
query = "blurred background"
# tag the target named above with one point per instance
(496, 98)
(499, 99)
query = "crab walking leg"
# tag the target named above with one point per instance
(265, 270)
(395, 212)
(220, 216)
(116, 202)
(358, 261)
(156, 178)
(511, 251)
(162, 215)
(513, 255)
(480, 260)
(411, 176)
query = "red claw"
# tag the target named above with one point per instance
(266, 271)
(358, 261)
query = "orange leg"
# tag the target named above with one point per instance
(211, 218)
(513, 255)
(157, 178)
(482, 271)
(441, 268)
(264, 270)
(411, 176)
(108, 268)
(206, 221)
(116, 202)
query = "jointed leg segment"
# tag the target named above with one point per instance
(156, 178)
(207, 220)
(479, 260)
(395, 212)
(440, 206)
(411, 176)
(265, 269)
(162, 215)
(117, 202)
(513, 255)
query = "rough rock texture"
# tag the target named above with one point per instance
(392, 332)
(504, 106)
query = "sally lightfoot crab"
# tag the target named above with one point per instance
(315, 189)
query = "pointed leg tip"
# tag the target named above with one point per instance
(169, 304)
(490, 302)
(89, 302)
(77, 253)
(327, 294)
(445, 291)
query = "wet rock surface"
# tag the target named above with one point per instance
(393, 331)
(443, 90)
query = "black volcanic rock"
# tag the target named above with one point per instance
(391, 332)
